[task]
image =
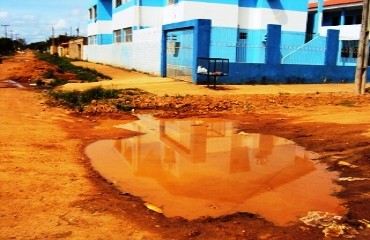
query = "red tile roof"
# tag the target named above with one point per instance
(328, 3)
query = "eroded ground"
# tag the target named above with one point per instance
(49, 190)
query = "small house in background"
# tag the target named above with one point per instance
(70, 47)
(63, 50)
(75, 48)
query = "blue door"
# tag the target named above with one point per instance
(180, 54)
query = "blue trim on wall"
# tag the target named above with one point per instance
(104, 39)
(104, 10)
(202, 32)
(151, 3)
(124, 6)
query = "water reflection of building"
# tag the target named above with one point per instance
(204, 158)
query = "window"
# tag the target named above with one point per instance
(358, 19)
(118, 3)
(348, 20)
(170, 2)
(93, 13)
(354, 52)
(349, 49)
(335, 21)
(92, 39)
(345, 52)
(128, 34)
(117, 35)
(243, 35)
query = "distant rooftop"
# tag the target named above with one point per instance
(336, 3)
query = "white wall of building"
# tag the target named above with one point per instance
(347, 32)
(147, 50)
(143, 54)
(188, 10)
(216, 12)
(252, 18)
(100, 27)
(151, 16)
(124, 19)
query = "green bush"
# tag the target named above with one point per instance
(76, 99)
(65, 64)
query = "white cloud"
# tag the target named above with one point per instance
(61, 23)
(3, 15)
(76, 12)
(29, 17)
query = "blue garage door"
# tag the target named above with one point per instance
(180, 54)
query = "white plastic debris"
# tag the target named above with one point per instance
(318, 218)
(351, 179)
(332, 227)
(201, 69)
(346, 164)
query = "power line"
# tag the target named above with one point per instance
(5, 29)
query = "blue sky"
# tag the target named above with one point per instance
(33, 20)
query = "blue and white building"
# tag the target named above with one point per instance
(165, 37)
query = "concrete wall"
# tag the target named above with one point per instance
(249, 73)
(143, 53)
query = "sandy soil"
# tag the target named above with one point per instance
(49, 190)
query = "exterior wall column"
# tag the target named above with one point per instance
(273, 42)
(332, 47)
(319, 16)
(342, 17)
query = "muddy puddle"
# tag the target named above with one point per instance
(202, 167)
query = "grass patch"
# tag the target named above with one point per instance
(49, 74)
(77, 99)
(85, 74)
(124, 107)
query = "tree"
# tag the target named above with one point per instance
(363, 51)
(7, 46)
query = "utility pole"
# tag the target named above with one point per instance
(52, 36)
(52, 41)
(11, 34)
(363, 51)
(5, 29)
